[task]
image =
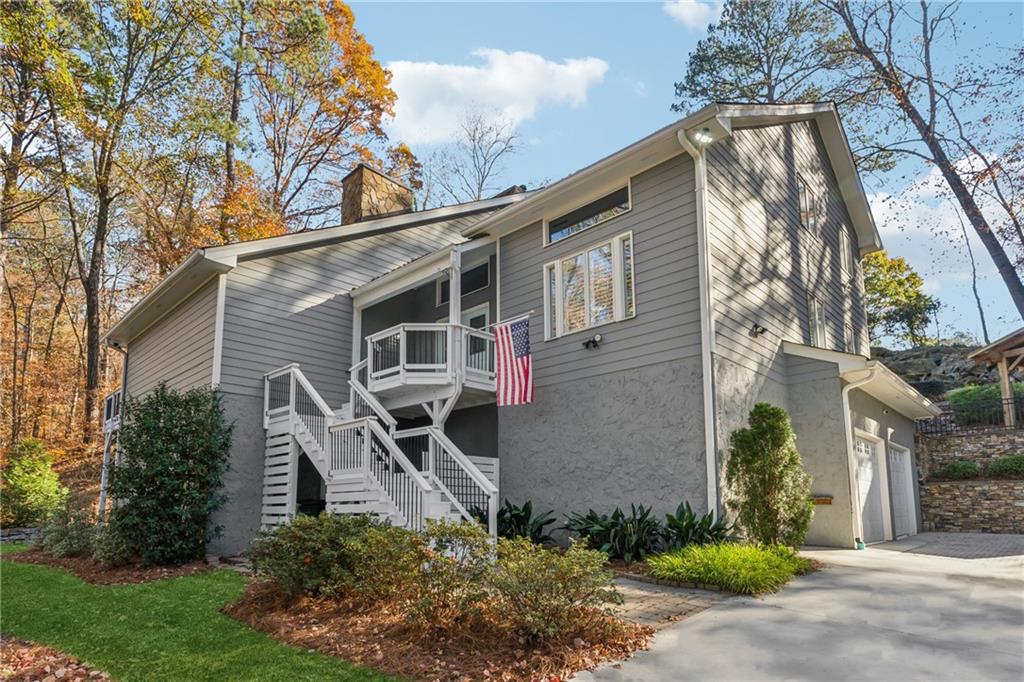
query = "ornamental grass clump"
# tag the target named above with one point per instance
(740, 568)
(771, 491)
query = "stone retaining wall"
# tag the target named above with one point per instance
(979, 506)
(934, 452)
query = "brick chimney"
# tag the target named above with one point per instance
(367, 193)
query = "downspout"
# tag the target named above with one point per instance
(858, 526)
(707, 320)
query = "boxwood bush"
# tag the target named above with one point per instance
(1010, 466)
(960, 470)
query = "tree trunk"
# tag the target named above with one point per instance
(92, 285)
(236, 104)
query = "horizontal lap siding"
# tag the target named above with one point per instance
(667, 323)
(295, 307)
(764, 263)
(177, 349)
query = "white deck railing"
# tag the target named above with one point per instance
(112, 412)
(438, 353)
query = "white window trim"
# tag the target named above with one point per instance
(815, 202)
(465, 267)
(618, 295)
(546, 237)
(813, 302)
(485, 308)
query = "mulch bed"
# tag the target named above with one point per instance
(93, 572)
(381, 638)
(23, 661)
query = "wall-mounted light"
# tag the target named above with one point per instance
(756, 330)
(594, 341)
(703, 137)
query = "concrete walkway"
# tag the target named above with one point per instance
(909, 610)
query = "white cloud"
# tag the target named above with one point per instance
(640, 89)
(433, 97)
(695, 15)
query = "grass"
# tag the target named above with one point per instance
(163, 630)
(740, 568)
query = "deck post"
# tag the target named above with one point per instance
(455, 286)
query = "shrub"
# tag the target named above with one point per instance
(111, 546)
(386, 562)
(1010, 466)
(312, 554)
(960, 470)
(980, 404)
(741, 568)
(546, 593)
(67, 532)
(173, 451)
(29, 488)
(628, 537)
(686, 528)
(519, 522)
(772, 490)
(453, 579)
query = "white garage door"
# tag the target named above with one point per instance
(870, 487)
(904, 519)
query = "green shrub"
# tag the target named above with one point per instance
(67, 532)
(1010, 466)
(453, 579)
(173, 450)
(960, 470)
(386, 562)
(686, 528)
(29, 488)
(741, 568)
(312, 554)
(630, 537)
(111, 546)
(980, 404)
(545, 593)
(772, 492)
(519, 522)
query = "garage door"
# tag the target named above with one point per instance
(869, 485)
(903, 516)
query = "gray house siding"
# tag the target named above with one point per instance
(765, 264)
(622, 423)
(178, 349)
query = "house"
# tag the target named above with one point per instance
(669, 287)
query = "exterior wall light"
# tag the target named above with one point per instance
(594, 341)
(703, 137)
(756, 330)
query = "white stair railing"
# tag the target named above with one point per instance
(448, 469)
(363, 445)
(363, 403)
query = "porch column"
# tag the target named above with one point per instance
(1009, 414)
(455, 286)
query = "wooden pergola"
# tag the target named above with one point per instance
(1007, 354)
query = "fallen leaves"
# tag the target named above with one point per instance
(22, 661)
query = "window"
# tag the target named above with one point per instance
(589, 288)
(849, 343)
(846, 252)
(808, 205)
(473, 279)
(816, 316)
(605, 208)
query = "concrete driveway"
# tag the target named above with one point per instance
(935, 607)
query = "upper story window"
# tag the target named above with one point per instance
(816, 318)
(589, 288)
(849, 342)
(847, 262)
(473, 279)
(809, 205)
(585, 217)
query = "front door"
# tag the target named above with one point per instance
(869, 484)
(904, 518)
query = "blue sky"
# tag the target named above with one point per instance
(582, 80)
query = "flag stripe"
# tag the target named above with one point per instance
(514, 363)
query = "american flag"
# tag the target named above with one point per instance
(515, 368)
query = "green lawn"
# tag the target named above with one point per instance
(165, 630)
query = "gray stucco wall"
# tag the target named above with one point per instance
(243, 481)
(878, 419)
(816, 411)
(608, 441)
